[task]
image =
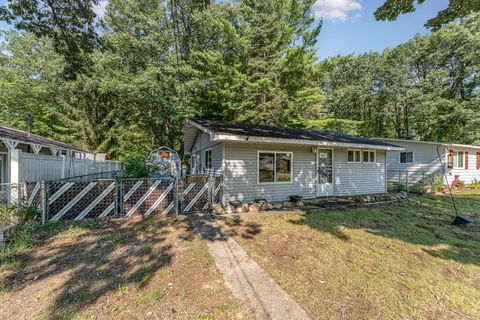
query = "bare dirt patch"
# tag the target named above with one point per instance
(116, 269)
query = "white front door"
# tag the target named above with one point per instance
(325, 172)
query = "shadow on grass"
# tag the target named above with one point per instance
(95, 257)
(423, 220)
(249, 229)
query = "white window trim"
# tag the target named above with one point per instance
(455, 160)
(205, 159)
(400, 157)
(374, 155)
(361, 156)
(275, 170)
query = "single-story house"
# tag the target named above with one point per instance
(422, 158)
(260, 161)
(29, 157)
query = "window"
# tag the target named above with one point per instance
(459, 159)
(406, 157)
(274, 167)
(353, 156)
(208, 159)
(369, 156)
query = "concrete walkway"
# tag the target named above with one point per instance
(246, 279)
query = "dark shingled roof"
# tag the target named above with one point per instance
(255, 130)
(24, 137)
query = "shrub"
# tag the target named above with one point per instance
(438, 186)
(475, 184)
(17, 214)
(135, 165)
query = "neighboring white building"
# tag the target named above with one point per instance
(29, 157)
(259, 161)
(422, 157)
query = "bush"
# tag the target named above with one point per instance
(438, 186)
(135, 165)
(475, 184)
(17, 215)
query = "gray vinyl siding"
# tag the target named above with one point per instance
(202, 144)
(425, 161)
(358, 178)
(240, 173)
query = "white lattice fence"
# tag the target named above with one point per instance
(80, 200)
(199, 192)
(77, 200)
(147, 196)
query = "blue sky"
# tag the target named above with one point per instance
(349, 25)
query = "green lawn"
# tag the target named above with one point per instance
(401, 261)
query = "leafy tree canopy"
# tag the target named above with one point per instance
(391, 9)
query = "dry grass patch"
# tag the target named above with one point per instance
(136, 268)
(401, 261)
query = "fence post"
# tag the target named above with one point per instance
(176, 195)
(399, 180)
(406, 180)
(44, 204)
(423, 181)
(118, 201)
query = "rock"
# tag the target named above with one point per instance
(300, 204)
(368, 199)
(288, 204)
(270, 206)
(239, 210)
(244, 207)
(254, 207)
(236, 203)
(217, 208)
(263, 206)
(229, 209)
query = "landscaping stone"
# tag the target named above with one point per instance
(299, 204)
(217, 208)
(277, 206)
(236, 203)
(270, 206)
(244, 207)
(288, 204)
(229, 209)
(263, 206)
(238, 210)
(254, 207)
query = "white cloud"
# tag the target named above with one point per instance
(100, 8)
(335, 9)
